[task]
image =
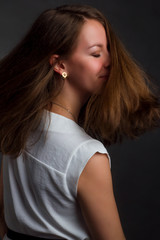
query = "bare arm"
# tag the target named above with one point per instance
(3, 227)
(96, 198)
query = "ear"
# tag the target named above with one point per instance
(58, 65)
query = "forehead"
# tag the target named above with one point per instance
(92, 32)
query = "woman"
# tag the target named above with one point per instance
(66, 90)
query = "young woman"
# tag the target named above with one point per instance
(67, 89)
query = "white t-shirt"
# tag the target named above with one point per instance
(40, 191)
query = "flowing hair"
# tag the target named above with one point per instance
(126, 105)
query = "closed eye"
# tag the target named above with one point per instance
(96, 55)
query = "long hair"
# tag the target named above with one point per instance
(28, 83)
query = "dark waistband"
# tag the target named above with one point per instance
(20, 236)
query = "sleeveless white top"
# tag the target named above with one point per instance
(40, 191)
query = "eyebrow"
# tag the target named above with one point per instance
(96, 44)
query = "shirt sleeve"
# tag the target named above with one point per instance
(79, 159)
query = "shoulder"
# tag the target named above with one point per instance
(80, 157)
(96, 199)
(95, 174)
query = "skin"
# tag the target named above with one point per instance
(85, 68)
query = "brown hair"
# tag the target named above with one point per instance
(125, 107)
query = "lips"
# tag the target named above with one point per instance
(104, 76)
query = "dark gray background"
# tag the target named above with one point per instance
(135, 163)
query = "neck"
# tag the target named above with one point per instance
(70, 98)
(66, 109)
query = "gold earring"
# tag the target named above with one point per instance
(64, 74)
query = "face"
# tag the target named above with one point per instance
(88, 66)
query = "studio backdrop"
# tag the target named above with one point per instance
(135, 163)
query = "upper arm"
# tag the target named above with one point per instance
(96, 198)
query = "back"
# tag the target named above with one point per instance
(40, 192)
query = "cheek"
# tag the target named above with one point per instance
(87, 68)
(94, 66)
(77, 74)
(78, 70)
(84, 73)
